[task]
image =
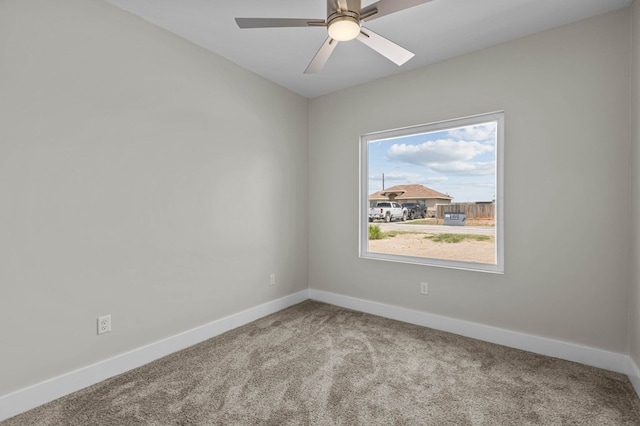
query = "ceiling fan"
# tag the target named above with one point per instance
(344, 22)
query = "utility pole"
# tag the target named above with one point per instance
(383, 181)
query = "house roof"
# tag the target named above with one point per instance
(409, 192)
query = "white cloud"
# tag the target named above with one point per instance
(478, 133)
(397, 176)
(408, 178)
(439, 151)
(464, 168)
(432, 180)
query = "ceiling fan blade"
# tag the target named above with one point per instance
(278, 22)
(386, 7)
(397, 54)
(318, 61)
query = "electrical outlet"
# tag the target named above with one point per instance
(424, 288)
(272, 279)
(104, 324)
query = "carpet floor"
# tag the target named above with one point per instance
(318, 364)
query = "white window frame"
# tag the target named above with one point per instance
(498, 267)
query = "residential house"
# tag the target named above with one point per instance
(415, 193)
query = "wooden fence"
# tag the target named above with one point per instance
(473, 210)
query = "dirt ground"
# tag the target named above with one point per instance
(469, 222)
(418, 245)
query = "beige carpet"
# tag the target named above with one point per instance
(322, 365)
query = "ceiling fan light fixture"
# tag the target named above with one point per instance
(344, 28)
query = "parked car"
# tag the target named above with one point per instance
(415, 210)
(387, 210)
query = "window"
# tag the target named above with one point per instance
(432, 194)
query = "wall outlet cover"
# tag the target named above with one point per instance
(424, 288)
(104, 324)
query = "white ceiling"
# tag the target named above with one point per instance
(434, 31)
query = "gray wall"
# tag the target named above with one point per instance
(634, 299)
(565, 93)
(120, 145)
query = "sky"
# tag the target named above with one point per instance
(460, 162)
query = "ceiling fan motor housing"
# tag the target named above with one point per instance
(343, 19)
(351, 5)
(343, 26)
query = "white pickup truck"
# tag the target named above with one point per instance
(387, 210)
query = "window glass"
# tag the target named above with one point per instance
(432, 194)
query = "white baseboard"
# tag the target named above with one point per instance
(49, 390)
(540, 345)
(633, 372)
